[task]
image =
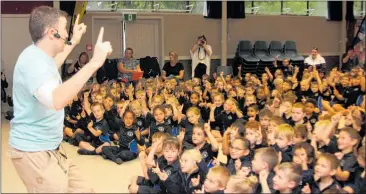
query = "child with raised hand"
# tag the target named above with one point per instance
(325, 168)
(208, 150)
(141, 120)
(304, 156)
(167, 170)
(93, 144)
(238, 184)
(163, 172)
(228, 116)
(157, 144)
(128, 133)
(193, 170)
(286, 110)
(218, 101)
(287, 178)
(284, 137)
(255, 135)
(239, 156)
(263, 164)
(110, 114)
(216, 181)
(323, 139)
(347, 143)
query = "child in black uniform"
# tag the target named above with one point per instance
(128, 133)
(98, 130)
(157, 121)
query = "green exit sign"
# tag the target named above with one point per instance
(129, 17)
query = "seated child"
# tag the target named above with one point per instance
(284, 142)
(238, 184)
(347, 142)
(325, 168)
(163, 173)
(239, 157)
(287, 178)
(264, 162)
(127, 134)
(193, 170)
(304, 156)
(216, 180)
(255, 134)
(93, 144)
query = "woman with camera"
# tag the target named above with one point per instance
(201, 56)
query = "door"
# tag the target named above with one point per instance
(143, 36)
(112, 32)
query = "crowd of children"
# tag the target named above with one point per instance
(281, 133)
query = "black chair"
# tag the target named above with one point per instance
(276, 49)
(260, 50)
(249, 60)
(291, 52)
(245, 50)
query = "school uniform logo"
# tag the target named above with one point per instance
(356, 89)
(229, 117)
(168, 122)
(129, 133)
(313, 121)
(204, 154)
(139, 123)
(168, 172)
(161, 129)
(263, 102)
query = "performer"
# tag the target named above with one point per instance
(39, 100)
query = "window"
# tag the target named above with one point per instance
(135, 4)
(359, 8)
(318, 8)
(295, 7)
(268, 7)
(148, 6)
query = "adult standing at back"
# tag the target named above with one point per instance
(349, 60)
(39, 101)
(201, 55)
(127, 66)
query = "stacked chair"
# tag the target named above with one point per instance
(250, 61)
(255, 59)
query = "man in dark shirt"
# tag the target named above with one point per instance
(349, 60)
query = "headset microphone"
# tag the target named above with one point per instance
(57, 35)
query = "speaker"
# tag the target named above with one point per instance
(235, 9)
(214, 9)
(335, 10)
